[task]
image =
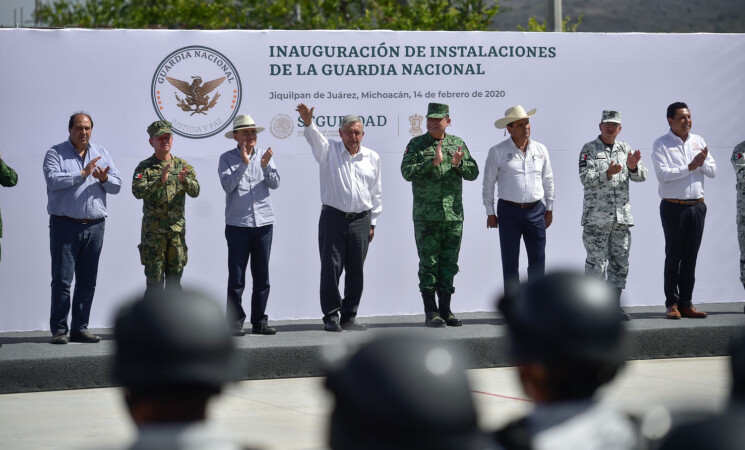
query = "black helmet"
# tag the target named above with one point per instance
(564, 317)
(737, 350)
(403, 392)
(176, 340)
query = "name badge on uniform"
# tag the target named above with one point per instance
(600, 156)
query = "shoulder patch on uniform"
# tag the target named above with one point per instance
(138, 176)
(736, 156)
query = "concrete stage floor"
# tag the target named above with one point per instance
(29, 363)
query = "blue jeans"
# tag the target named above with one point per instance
(75, 250)
(246, 243)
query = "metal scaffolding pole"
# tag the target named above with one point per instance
(554, 15)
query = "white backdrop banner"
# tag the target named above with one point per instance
(200, 80)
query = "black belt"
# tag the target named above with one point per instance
(684, 202)
(520, 205)
(347, 215)
(83, 221)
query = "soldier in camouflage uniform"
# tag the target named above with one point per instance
(437, 163)
(738, 162)
(161, 182)
(605, 168)
(8, 178)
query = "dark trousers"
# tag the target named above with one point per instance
(342, 244)
(683, 226)
(246, 243)
(75, 249)
(530, 225)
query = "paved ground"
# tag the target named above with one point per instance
(292, 413)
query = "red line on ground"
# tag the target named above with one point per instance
(504, 396)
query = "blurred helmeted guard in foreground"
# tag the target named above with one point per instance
(170, 373)
(606, 166)
(403, 392)
(567, 342)
(724, 431)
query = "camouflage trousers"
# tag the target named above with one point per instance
(741, 239)
(163, 255)
(438, 245)
(607, 252)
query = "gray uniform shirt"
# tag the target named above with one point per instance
(607, 201)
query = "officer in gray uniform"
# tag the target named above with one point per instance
(605, 168)
(171, 371)
(723, 431)
(738, 162)
(566, 340)
(402, 392)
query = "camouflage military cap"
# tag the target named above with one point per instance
(159, 128)
(437, 110)
(611, 116)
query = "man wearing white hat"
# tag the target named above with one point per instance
(246, 174)
(521, 169)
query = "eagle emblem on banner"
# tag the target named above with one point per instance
(196, 101)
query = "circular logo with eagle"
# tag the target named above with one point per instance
(198, 90)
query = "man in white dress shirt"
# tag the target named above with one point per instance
(521, 170)
(351, 197)
(681, 159)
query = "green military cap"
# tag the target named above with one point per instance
(611, 116)
(437, 111)
(159, 127)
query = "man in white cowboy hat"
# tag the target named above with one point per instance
(351, 194)
(246, 174)
(521, 168)
(606, 166)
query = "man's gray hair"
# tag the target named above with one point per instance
(351, 119)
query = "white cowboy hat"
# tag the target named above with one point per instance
(513, 115)
(241, 123)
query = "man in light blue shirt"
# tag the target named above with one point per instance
(246, 174)
(78, 176)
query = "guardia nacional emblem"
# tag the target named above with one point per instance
(198, 90)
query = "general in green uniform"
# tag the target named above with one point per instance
(162, 181)
(8, 178)
(436, 163)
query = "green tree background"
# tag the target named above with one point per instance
(451, 15)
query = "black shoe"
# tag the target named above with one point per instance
(238, 331)
(264, 329)
(353, 324)
(452, 321)
(59, 338)
(433, 320)
(332, 325)
(625, 316)
(85, 337)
